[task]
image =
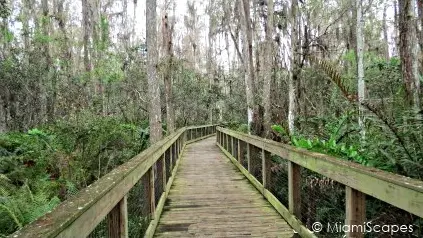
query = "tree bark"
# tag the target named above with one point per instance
(267, 68)
(385, 31)
(168, 45)
(249, 64)
(51, 82)
(155, 117)
(210, 60)
(292, 81)
(360, 67)
(409, 52)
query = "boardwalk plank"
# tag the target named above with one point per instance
(211, 198)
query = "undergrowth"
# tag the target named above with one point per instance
(47, 165)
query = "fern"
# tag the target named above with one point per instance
(335, 76)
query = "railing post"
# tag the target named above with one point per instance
(148, 183)
(117, 220)
(152, 192)
(294, 189)
(178, 149)
(221, 138)
(227, 142)
(249, 157)
(232, 146)
(239, 151)
(266, 173)
(164, 171)
(170, 159)
(355, 213)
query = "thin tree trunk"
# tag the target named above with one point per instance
(167, 41)
(209, 60)
(292, 82)
(360, 67)
(409, 52)
(267, 68)
(155, 116)
(51, 80)
(385, 31)
(249, 64)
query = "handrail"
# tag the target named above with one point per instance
(106, 197)
(400, 191)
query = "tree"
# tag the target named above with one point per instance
(360, 66)
(167, 32)
(294, 69)
(155, 116)
(248, 61)
(267, 68)
(409, 52)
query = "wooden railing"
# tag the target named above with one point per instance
(357, 180)
(106, 199)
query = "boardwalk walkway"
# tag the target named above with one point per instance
(211, 198)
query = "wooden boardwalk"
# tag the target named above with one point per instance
(211, 198)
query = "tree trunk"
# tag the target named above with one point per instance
(51, 80)
(360, 66)
(155, 117)
(86, 38)
(267, 68)
(294, 72)
(385, 31)
(167, 41)
(420, 33)
(249, 64)
(210, 61)
(408, 53)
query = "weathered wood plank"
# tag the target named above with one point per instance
(280, 208)
(294, 187)
(117, 220)
(355, 207)
(211, 198)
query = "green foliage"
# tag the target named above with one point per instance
(7, 35)
(59, 159)
(4, 9)
(331, 145)
(109, 69)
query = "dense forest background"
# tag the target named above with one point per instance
(85, 85)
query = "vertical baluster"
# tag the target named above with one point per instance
(355, 211)
(177, 147)
(266, 173)
(148, 183)
(171, 159)
(227, 142)
(221, 138)
(232, 146)
(117, 219)
(239, 151)
(294, 189)
(249, 157)
(164, 171)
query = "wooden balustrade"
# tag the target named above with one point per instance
(402, 192)
(107, 197)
